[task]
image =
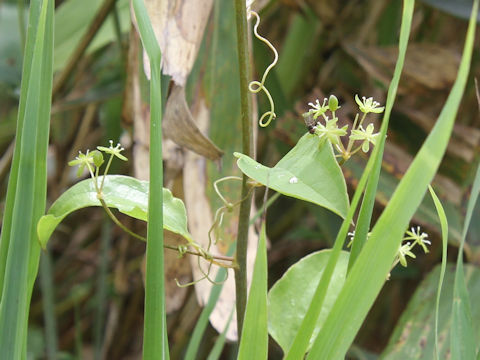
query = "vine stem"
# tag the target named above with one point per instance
(171, 247)
(247, 149)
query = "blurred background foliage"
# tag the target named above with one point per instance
(89, 301)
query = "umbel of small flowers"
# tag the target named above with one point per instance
(412, 237)
(360, 137)
(93, 160)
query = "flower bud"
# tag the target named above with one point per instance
(97, 158)
(333, 103)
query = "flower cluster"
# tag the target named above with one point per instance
(92, 160)
(360, 137)
(412, 237)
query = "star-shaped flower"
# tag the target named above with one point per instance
(331, 131)
(365, 135)
(85, 161)
(368, 105)
(318, 109)
(418, 237)
(403, 252)
(115, 151)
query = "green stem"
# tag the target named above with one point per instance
(171, 247)
(247, 149)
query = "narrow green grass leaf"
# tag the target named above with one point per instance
(308, 172)
(27, 184)
(254, 340)
(125, 193)
(220, 342)
(155, 340)
(444, 225)
(300, 344)
(463, 342)
(202, 322)
(366, 209)
(376, 258)
(34, 16)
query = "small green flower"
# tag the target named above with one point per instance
(331, 131)
(115, 151)
(333, 103)
(418, 238)
(365, 135)
(403, 252)
(82, 160)
(317, 109)
(368, 105)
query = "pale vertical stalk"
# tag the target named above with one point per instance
(247, 149)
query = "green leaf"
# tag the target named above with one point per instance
(308, 172)
(463, 336)
(414, 334)
(217, 349)
(26, 194)
(290, 297)
(444, 224)
(125, 193)
(254, 340)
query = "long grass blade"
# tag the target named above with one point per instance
(27, 185)
(462, 336)
(373, 264)
(366, 209)
(254, 340)
(34, 16)
(220, 343)
(202, 322)
(155, 340)
(444, 225)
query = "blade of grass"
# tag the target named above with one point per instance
(155, 340)
(254, 340)
(27, 184)
(366, 209)
(202, 322)
(220, 343)
(34, 16)
(376, 258)
(300, 344)
(444, 225)
(462, 338)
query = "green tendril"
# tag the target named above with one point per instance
(257, 86)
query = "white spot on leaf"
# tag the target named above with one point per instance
(293, 180)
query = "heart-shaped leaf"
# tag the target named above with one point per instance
(290, 297)
(308, 172)
(125, 193)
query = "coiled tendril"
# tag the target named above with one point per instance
(257, 86)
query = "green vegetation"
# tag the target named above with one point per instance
(285, 217)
